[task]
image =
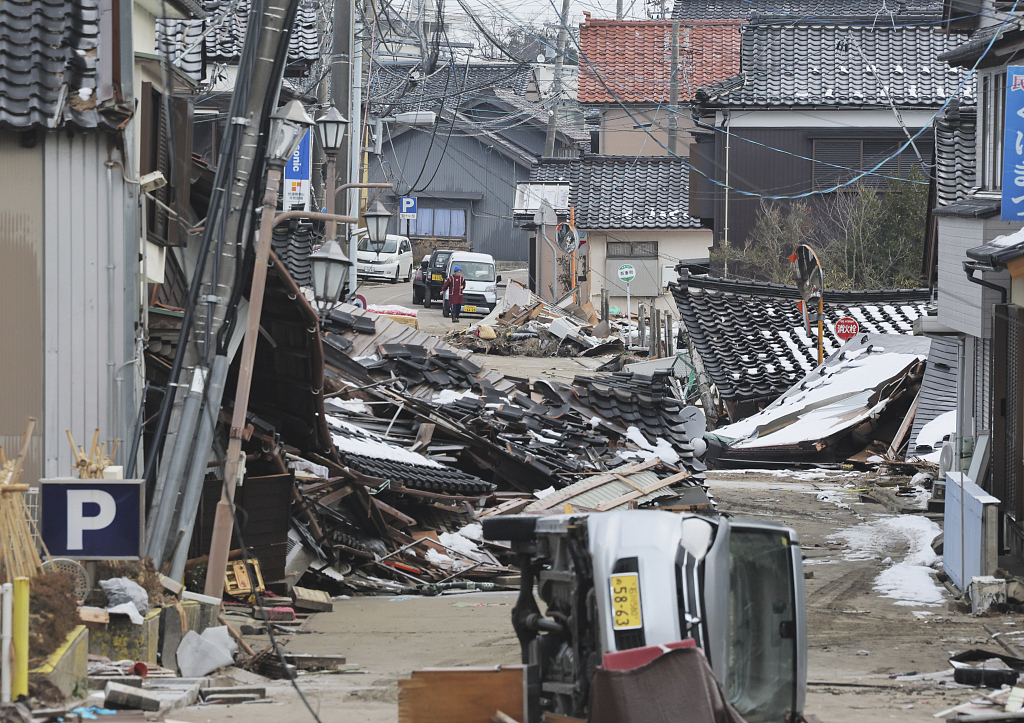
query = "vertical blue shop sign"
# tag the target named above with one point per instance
(1013, 146)
(297, 175)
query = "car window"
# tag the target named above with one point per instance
(477, 270)
(389, 246)
(442, 259)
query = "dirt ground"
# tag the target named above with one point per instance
(857, 638)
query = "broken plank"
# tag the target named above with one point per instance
(332, 497)
(567, 494)
(678, 477)
(901, 433)
(461, 695)
(315, 600)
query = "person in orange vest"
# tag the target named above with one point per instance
(455, 285)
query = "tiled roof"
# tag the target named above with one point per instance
(224, 43)
(830, 64)
(293, 243)
(869, 10)
(955, 138)
(623, 191)
(48, 56)
(750, 335)
(634, 59)
(539, 114)
(401, 87)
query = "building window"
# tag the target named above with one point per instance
(439, 223)
(992, 112)
(837, 161)
(632, 249)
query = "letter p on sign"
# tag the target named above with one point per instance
(92, 519)
(78, 521)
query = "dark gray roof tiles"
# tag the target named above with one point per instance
(224, 43)
(401, 87)
(293, 243)
(955, 139)
(48, 63)
(831, 64)
(751, 336)
(869, 10)
(623, 191)
(938, 390)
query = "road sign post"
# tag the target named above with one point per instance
(627, 272)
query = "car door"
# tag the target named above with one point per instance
(405, 258)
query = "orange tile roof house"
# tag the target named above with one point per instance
(629, 63)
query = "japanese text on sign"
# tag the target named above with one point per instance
(1013, 146)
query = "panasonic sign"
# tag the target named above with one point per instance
(88, 519)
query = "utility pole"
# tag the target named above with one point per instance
(189, 438)
(673, 120)
(341, 98)
(618, 9)
(549, 143)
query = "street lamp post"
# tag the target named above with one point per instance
(330, 269)
(330, 128)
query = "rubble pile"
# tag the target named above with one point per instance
(426, 441)
(523, 324)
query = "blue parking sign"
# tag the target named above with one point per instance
(92, 519)
(1013, 146)
(407, 208)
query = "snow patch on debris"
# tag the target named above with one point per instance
(447, 396)
(462, 545)
(933, 434)
(832, 398)
(354, 440)
(909, 582)
(355, 406)
(436, 558)
(541, 494)
(662, 449)
(392, 309)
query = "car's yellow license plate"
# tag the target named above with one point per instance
(626, 601)
(469, 309)
(435, 277)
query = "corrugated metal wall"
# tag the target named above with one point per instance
(456, 172)
(21, 299)
(88, 293)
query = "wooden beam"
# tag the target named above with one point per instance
(901, 433)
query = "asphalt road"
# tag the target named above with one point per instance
(430, 320)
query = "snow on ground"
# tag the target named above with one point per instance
(355, 440)
(910, 582)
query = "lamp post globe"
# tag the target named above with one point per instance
(288, 125)
(377, 218)
(329, 270)
(331, 129)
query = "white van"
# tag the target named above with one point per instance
(394, 261)
(481, 294)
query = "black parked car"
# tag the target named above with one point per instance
(419, 284)
(435, 274)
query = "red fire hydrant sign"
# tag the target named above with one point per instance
(847, 328)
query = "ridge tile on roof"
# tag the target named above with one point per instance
(869, 10)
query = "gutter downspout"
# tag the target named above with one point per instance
(725, 211)
(970, 267)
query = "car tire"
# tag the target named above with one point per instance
(398, 270)
(416, 298)
(408, 274)
(445, 309)
(426, 299)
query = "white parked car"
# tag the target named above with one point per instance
(481, 294)
(394, 262)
